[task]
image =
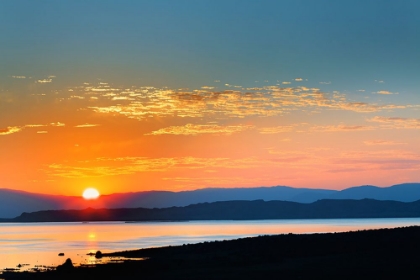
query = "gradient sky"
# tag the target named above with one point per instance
(179, 95)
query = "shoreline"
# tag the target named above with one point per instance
(373, 253)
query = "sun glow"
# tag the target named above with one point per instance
(90, 193)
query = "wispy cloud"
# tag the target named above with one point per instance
(367, 161)
(44, 81)
(146, 102)
(18, 77)
(10, 130)
(86, 125)
(193, 129)
(275, 129)
(397, 122)
(130, 165)
(382, 142)
(15, 129)
(332, 128)
(385, 92)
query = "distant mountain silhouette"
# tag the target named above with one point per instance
(237, 210)
(13, 203)
(403, 192)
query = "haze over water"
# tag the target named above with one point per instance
(40, 243)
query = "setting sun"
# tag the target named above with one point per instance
(90, 193)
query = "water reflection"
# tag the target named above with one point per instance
(38, 244)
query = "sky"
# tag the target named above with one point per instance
(129, 96)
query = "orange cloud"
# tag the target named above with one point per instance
(10, 130)
(192, 129)
(385, 92)
(130, 165)
(381, 142)
(148, 102)
(396, 122)
(342, 128)
(275, 129)
(86, 125)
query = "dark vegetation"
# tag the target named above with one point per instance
(372, 254)
(236, 210)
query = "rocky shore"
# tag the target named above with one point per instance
(374, 254)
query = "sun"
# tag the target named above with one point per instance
(90, 193)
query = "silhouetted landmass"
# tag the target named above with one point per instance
(13, 203)
(236, 210)
(372, 254)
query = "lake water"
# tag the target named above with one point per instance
(37, 244)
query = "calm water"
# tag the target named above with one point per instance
(40, 243)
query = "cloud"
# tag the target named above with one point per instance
(384, 92)
(130, 165)
(44, 81)
(286, 83)
(10, 130)
(86, 125)
(275, 129)
(14, 129)
(149, 102)
(57, 124)
(42, 132)
(333, 128)
(34, 125)
(396, 122)
(325, 83)
(381, 142)
(192, 129)
(298, 79)
(19, 77)
(367, 161)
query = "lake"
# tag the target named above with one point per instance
(36, 244)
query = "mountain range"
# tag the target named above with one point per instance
(14, 203)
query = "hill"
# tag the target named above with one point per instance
(236, 210)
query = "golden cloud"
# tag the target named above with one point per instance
(130, 165)
(10, 130)
(385, 92)
(192, 129)
(275, 129)
(397, 122)
(86, 125)
(148, 102)
(381, 142)
(44, 81)
(333, 128)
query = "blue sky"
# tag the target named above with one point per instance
(174, 42)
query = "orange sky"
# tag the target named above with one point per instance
(120, 139)
(154, 95)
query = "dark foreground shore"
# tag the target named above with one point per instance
(371, 254)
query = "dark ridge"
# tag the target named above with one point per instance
(236, 210)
